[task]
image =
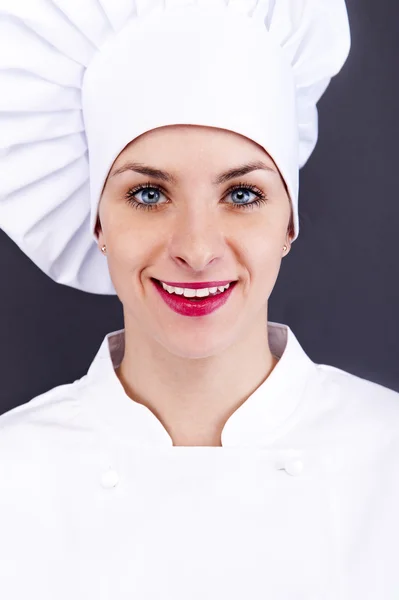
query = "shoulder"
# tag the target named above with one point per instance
(352, 406)
(356, 391)
(55, 402)
(27, 431)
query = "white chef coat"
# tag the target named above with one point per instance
(300, 502)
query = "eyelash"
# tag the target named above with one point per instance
(261, 197)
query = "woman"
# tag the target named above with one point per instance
(204, 454)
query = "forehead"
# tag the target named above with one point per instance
(210, 147)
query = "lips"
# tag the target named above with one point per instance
(193, 308)
(198, 286)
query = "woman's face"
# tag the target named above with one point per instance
(197, 229)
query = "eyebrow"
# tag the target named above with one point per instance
(238, 171)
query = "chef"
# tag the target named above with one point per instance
(150, 149)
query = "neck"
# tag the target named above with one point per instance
(193, 398)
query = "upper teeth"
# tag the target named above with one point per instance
(191, 293)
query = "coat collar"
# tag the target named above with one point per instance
(266, 413)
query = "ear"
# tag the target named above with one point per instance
(99, 232)
(289, 241)
(290, 232)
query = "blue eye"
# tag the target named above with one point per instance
(151, 196)
(243, 192)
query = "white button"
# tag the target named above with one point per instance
(109, 479)
(294, 467)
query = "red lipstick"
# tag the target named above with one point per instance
(199, 285)
(196, 307)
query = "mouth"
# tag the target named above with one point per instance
(194, 306)
(216, 289)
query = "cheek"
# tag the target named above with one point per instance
(132, 240)
(133, 247)
(261, 248)
(261, 238)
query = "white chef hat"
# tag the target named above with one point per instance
(80, 79)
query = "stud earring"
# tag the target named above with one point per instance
(103, 249)
(285, 248)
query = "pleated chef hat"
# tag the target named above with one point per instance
(80, 79)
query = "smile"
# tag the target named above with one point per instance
(194, 302)
(195, 292)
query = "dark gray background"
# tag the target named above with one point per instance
(337, 289)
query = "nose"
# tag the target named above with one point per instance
(197, 240)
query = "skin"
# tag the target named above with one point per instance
(194, 373)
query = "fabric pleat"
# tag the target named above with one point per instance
(45, 49)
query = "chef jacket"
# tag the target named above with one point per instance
(300, 502)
